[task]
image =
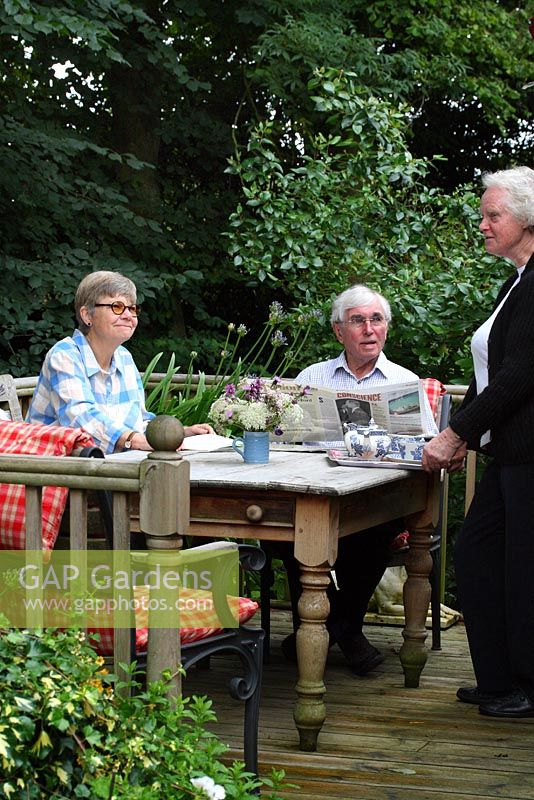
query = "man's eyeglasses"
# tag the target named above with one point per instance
(118, 308)
(358, 321)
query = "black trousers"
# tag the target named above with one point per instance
(494, 560)
(362, 559)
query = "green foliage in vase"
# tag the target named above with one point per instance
(272, 354)
(65, 732)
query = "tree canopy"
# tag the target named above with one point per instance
(225, 154)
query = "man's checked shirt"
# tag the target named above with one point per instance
(73, 390)
(335, 374)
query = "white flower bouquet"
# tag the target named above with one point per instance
(256, 404)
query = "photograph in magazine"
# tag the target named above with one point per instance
(356, 411)
(405, 404)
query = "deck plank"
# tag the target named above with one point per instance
(381, 741)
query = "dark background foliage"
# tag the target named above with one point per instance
(120, 161)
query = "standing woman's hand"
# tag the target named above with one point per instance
(458, 460)
(441, 452)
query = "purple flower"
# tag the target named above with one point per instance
(253, 390)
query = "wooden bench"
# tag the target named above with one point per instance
(160, 485)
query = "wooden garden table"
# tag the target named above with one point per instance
(303, 498)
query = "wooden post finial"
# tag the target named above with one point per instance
(165, 434)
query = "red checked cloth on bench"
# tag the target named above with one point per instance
(434, 390)
(24, 438)
(246, 609)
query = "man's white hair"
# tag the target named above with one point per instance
(355, 296)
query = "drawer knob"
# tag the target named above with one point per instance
(254, 513)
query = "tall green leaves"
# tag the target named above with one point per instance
(358, 209)
(276, 350)
(121, 163)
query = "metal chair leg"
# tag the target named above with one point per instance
(266, 577)
(435, 599)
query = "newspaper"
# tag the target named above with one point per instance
(398, 408)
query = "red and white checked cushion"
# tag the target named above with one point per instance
(31, 439)
(246, 609)
(434, 390)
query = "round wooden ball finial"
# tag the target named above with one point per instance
(165, 434)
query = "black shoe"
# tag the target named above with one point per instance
(289, 646)
(360, 654)
(472, 694)
(514, 705)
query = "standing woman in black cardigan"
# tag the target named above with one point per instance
(494, 553)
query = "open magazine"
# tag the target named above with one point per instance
(398, 408)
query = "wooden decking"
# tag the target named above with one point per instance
(380, 740)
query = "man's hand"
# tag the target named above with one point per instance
(445, 451)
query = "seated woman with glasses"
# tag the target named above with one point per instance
(89, 380)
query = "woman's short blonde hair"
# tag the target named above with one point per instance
(101, 284)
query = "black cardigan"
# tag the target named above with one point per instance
(506, 406)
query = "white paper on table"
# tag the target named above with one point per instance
(206, 442)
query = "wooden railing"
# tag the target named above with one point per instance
(162, 485)
(26, 386)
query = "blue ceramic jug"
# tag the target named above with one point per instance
(253, 447)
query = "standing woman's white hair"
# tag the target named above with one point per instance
(519, 185)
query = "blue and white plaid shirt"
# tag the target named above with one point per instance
(335, 374)
(75, 391)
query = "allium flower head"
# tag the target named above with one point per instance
(278, 339)
(276, 312)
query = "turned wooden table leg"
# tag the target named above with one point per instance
(413, 654)
(312, 650)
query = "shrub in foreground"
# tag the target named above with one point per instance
(66, 732)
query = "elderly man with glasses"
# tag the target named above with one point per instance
(360, 318)
(89, 380)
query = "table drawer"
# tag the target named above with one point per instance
(243, 508)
